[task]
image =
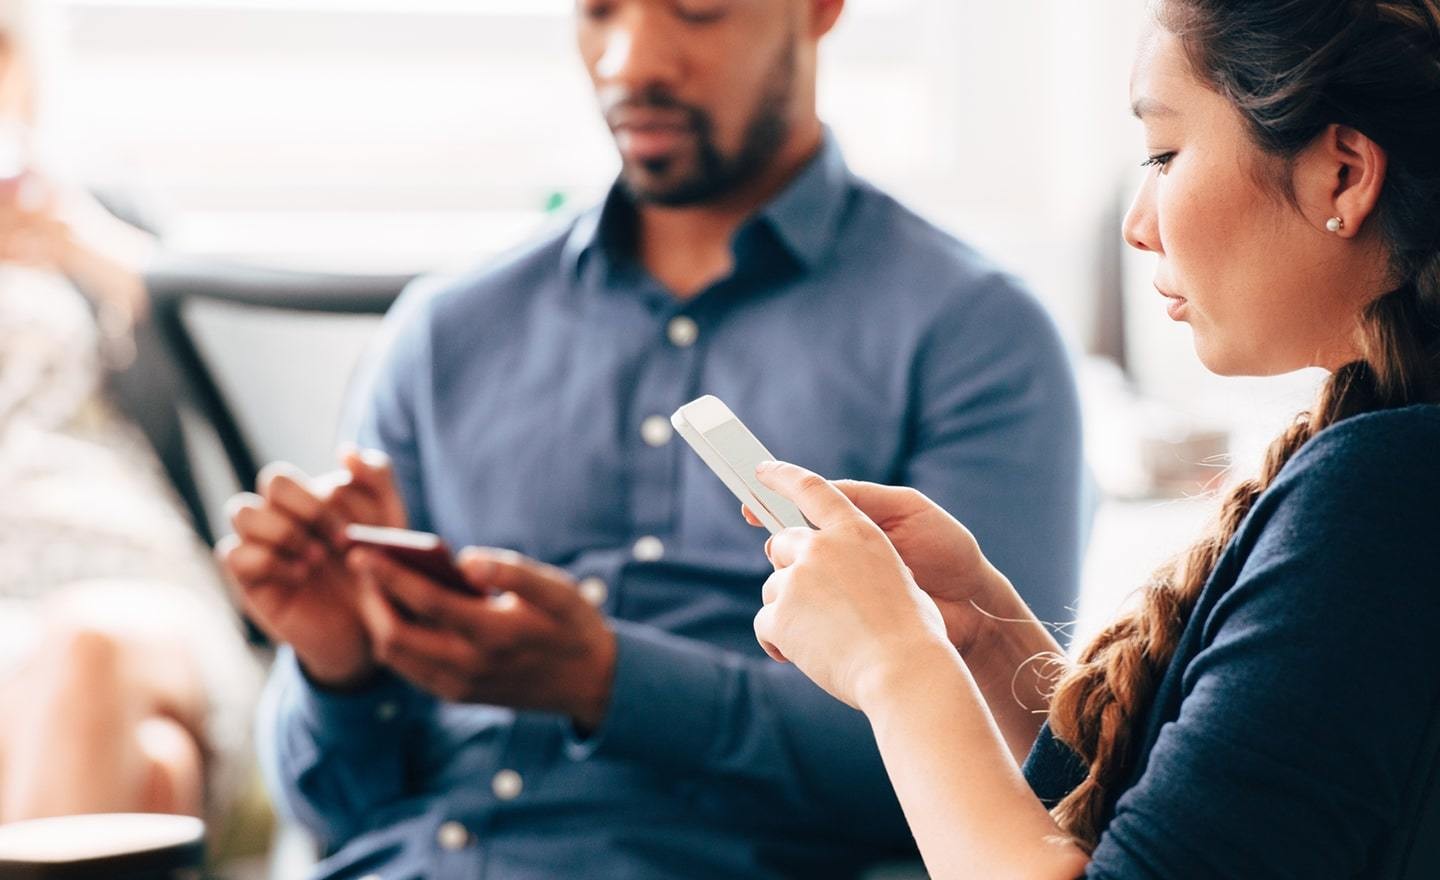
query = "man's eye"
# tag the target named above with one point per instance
(702, 11)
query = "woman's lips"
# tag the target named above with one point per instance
(1177, 306)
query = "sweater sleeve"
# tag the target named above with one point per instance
(1303, 711)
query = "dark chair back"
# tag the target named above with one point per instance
(172, 373)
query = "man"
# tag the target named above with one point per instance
(605, 712)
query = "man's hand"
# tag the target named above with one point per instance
(525, 640)
(286, 559)
(365, 492)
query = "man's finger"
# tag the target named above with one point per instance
(258, 523)
(327, 484)
(353, 504)
(251, 563)
(412, 647)
(241, 591)
(546, 587)
(822, 503)
(373, 471)
(287, 487)
(369, 467)
(412, 591)
(442, 682)
(419, 646)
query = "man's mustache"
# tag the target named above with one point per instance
(618, 105)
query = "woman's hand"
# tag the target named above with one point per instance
(942, 554)
(850, 560)
(842, 605)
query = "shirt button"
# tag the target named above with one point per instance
(649, 549)
(594, 591)
(682, 331)
(657, 431)
(507, 785)
(387, 711)
(452, 836)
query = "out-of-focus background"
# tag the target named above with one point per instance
(392, 137)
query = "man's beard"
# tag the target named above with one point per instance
(712, 174)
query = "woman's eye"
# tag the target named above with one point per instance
(1159, 160)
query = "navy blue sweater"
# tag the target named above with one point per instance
(1286, 729)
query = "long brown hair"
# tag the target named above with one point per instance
(1292, 68)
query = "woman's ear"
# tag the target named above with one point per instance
(1341, 176)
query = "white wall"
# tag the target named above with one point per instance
(409, 134)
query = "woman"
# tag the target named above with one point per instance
(125, 681)
(1260, 711)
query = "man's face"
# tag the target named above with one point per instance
(699, 94)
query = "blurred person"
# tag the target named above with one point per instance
(125, 681)
(611, 716)
(1263, 708)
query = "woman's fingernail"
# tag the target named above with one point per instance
(766, 466)
(375, 458)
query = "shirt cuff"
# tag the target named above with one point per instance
(378, 714)
(666, 704)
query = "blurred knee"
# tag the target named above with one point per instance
(175, 767)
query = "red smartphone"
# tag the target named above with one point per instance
(421, 552)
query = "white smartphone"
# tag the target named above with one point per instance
(724, 443)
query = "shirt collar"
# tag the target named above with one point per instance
(805, 216)
(599, 224)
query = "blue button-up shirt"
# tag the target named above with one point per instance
(523, 407)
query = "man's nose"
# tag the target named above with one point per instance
(641, 50)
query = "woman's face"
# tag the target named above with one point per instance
(1263, 286)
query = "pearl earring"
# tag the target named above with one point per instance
(1335, 224)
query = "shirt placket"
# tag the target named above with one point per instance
(665, 380)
